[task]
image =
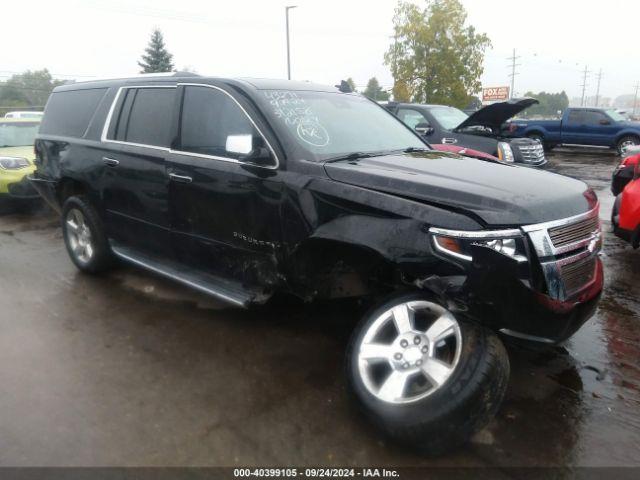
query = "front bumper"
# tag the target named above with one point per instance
(546, 298)
(14, 184)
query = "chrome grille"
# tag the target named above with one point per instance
(532, 153)
(567, 250)
(573, 233)
(577, 275)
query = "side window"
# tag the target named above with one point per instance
(209, 116)
(576, 116)
(146, 116)
(69, 112)
(411, 117)
(594, 118)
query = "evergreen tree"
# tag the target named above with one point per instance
(374, 91)
(156, 58)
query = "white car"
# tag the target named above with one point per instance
(37, 115)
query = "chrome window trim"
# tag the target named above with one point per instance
(107, 122)
(476, 234)
(109, 118)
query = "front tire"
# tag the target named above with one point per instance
(84, 236)
(424, 378)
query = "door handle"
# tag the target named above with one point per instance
(449, 141)
(180, 178)
(110, 162)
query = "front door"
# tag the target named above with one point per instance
(225, 213)
(134, 183)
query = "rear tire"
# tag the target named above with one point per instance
(626, 141)
(432, 422)
(84, 236)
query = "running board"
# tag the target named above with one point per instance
(220, 288)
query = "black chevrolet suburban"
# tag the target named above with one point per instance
(245, 188)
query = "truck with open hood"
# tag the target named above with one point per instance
(483, 130)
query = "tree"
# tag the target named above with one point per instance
(31, 88)
(374, 91)
(550, 104)
(434, 58)
(352, 84)
(156, 58)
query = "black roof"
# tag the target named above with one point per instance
(186, 77)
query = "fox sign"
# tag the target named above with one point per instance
(491, 94)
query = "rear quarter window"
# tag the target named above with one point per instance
(68, 113)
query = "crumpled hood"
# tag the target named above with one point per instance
(501, 195)
(496, 114)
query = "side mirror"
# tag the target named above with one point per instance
(424, 128)
(249, 148)
(239, 144)
(605, 122)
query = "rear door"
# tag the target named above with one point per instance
(134, 180)
(573, 127)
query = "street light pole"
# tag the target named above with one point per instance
(286, 9)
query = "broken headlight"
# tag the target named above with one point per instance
(13, 163)
(460, 244)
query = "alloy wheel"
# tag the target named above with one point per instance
(79, 235)
(409, 351)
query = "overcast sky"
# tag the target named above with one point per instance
(331, 39)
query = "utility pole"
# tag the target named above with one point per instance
(286, 10)
(513, 73)
(635, 98)
(584, 84)
(598, 89)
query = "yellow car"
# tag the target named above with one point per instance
(16, 157)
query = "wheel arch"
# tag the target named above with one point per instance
(627, 133)
(68, 187)
(535, 131)
(332, 268)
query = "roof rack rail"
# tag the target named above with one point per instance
(140, 75)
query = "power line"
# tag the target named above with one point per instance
(513, 73)
(598, 89)
(584, 84)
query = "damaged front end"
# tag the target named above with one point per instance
(538, 282)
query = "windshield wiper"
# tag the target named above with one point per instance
(353, 156)
(416, 149)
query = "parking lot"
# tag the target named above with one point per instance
(129, 369)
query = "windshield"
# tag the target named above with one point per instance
(327, 125)
(616, 116)
(18, 134)
(448, 117)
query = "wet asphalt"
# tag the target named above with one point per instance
(132, 370)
